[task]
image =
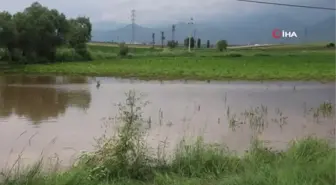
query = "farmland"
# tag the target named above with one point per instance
(279, 62)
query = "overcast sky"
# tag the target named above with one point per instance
(155, 11)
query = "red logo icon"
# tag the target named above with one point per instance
(276, 33)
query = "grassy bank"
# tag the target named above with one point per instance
(309, 162)
(249, 65)
(126, 160)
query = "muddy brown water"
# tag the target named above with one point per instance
(61, 115)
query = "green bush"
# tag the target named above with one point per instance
(68, 55)
(172, 44)
(330, 45)
(84, 53)
(61, 55)
(123, 49)
(222, 45)
(16, 55)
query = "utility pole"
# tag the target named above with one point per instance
(190, 23)
(133, 26)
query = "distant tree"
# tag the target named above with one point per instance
(185, 42)
(330, 45)
(222, 45)
(172, 44)
(208, 44)
(173, 32)
(162, 38)
(153, 39)
(198, 43)
(192, 42)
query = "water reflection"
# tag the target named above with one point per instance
(40, 103)
(27, 80)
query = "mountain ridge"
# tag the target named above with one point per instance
(254, 29)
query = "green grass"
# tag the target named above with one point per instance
(126, 160)
(244, 66)
(116, 45)
(309, 162)
(279, 62)
(115, 48)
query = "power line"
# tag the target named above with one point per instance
(290, 5)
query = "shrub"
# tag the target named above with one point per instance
(192, 42)
(222, 45)
(84, 53)
(123, 49)
(17, 56)
(5, 56)
(67, 55)
(125, 154)
(199, 43)
(330, 45)
(172, 44)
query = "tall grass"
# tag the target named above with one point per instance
(125, 158)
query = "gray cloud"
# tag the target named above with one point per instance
(156, 11)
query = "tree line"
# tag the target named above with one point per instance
(193, 43)
(42, 35)
(35, 34)
(220, 45)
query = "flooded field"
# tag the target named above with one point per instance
(62, 115)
